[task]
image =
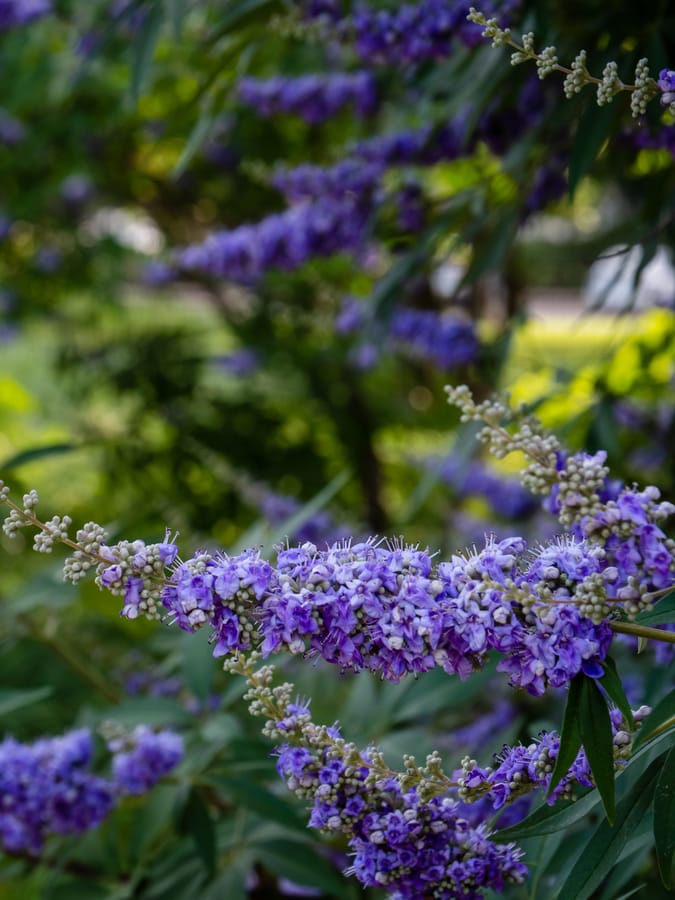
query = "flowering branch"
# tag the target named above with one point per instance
(577, 76)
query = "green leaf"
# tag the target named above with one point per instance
(199, 666)
(148, 711)
(631, 893)
(464, 446)
(11, 700)
(592, 132)
(300, 863)
(611, 683)
(309, 509)
(548, 819)
(143, 51)
(27, 456)
(661, 718)
(491, 252)
(430, 696)
(195, 140)
(237, 13)
(232, 883)
(662, 614)
(175, 10)
(664, 821)
(260, 800)
(195, 820)
(597, 739)
(600, 854)
(570, 734)
(634, 858)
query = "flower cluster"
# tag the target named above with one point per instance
(143, 757)
(407, 35)
(388, 610)
(417, 832)
(546, 611)
(444, 339)
(332, 208)
(577, 77)
(285, 240)
(314, 98)
(47, 787)
(410, 846)
(20, 12)
(404, 838)
(350, 177)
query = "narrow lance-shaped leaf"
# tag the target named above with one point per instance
(570, 735)
(611, 683)
(664, 821)
(662, 614)
(143, 51)
(596, 736)
(592, 132)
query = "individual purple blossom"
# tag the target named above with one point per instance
(314, 98)
(351, 318)
(411, 208)
(239, 362)
(48, 260)
(21, 12)
(146, 758)
(327, 10)
(158, 274)
(76, 189)
(666, 84)
(12, 132)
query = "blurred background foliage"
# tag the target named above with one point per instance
(144, 395)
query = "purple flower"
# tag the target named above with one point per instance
(447, 341)
(20, 12)
(413, 848)
(283, 241)
(47, 788)
(151, 756)
(314, 98)
(666, 84)
(11, 130)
